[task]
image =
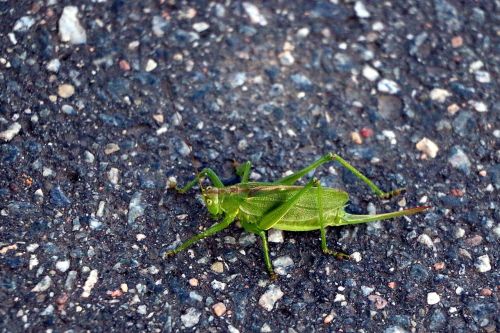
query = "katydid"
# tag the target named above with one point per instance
(260, 206)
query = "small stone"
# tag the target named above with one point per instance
(302, 82)
(63, 265)
(65, 90)
(111, 148)
(328, 319)
(135, 207)
(453, 108)
(237, 79)
(286, 58)
(483, 264)
(275, 236)
(217, 267)
(270, 297)
(388, 86)
(457, 41)
(479, 106)
(90, 283)
(339, 298)
(426, 240)
(433, 298)
(360, 10)
(43, 285)
(486, 292)
(370, 73)
(282, 264)
(24, 24)
(219, 309)
(69, 110)
(428, 147)
(53, 65)
(113, 176)
(191, 317)
(142, 309)
(356, 256)
(140, 237)
(482, 76)
(217, 285)
(10, 132)
(124, 65)
(150, 65)
(88, 157)
(159, 25)
(459, 160)
(124, 287)
(378, 301)
(58, 198)
(201, 26)
(70, 29)
(303, 32)
(265, 328)
(439, 95)
(356, 138)
(171, 182)
(253, 12)
(193, 282)
(439, 266)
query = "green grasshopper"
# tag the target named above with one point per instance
(260, 206)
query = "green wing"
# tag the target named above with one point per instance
(302, 216)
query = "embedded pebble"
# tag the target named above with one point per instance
(483, 264)
(90, 283)
(201, 26)
(282, 264)
(219, 309)
(135, 207)
(439, 95)
(275, 236)
(70, 29)
(10, 132)
(113, 175)
(24, 24)
(53, 65)
(378, 301)
(426, 240)
(43, 285)
(428, 147)
(159, 25)
(151, 65)
(88, 157)
(388, 86)
(191, 317)
(366, 290)
(370, 73)
(69, 110)
(433, 298)
(217, 267)
(356, 256)
(217, 285)
(65, 90)
(237, 79)
(482, 76)
(286, 58)
(254, 13)
(62, 265)
(479, 106)
(111, 148)
(459, 160)
(339, 298)
(270, 297)
(360, 10)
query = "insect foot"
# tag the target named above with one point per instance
(338, 255)
(273, 276)
(169, 254)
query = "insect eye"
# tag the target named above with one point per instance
(209, 202)
(208, 188)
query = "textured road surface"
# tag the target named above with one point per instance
(105, 104)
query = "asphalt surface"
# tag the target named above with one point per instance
(104, 105)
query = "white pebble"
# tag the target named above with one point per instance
(482, 76)
(275, 236)
(388, 86)
(479, 106)
(43, 285)
(70, 29)
(483, 264)
(303, 32)
(90, 283)
(439, 95)
(433, 298)
(270, 297)
(370, 73)
(286, 58)
(53, 65)
(339, 298)
(23, 24)
(360, 9)
(151, 65)
(426, 240)
(113, 176)
(428, 147)
(62, 265)
(191, 317)
(281, 264)
(253, 12)
(356, 256)
(10, 132)
(200, 26)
